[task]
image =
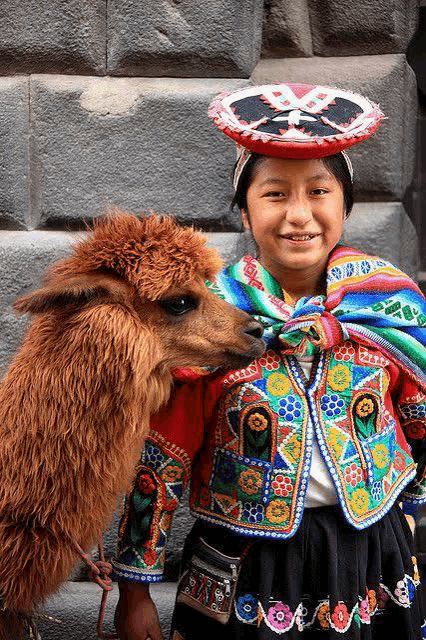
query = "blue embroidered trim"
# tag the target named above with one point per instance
(122, 572)
(307, 447)
(413, 499)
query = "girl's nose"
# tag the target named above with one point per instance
(298, 212)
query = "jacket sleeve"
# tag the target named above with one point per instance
(411, 409)
(162, 475)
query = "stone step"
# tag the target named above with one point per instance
(74, 610)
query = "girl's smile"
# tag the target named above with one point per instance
(295, 211)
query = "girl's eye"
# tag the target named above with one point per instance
(319, 191)
(274, 194)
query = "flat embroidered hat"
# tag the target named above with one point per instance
(295, 120)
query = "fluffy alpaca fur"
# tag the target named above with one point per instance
(111, 323)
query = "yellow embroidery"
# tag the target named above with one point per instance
(364, 408)
(337, 441)
(359, 501)
(257, 422)
(278, 384)
(277, 511)
(250, 481)
(339, 377)
(380, 456)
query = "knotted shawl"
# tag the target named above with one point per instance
(367, 300)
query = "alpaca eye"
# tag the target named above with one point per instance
(179, 305)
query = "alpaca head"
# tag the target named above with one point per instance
(155, 271)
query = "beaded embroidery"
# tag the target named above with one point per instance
(279, 617)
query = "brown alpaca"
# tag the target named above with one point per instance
(111, 323)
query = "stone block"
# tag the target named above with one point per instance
(385, 230)
(53, 36)
(359, 28)
(286, 29)
(24, 256)
(180, 38)
(384, 164)
(14, 155)
(137, 143)
(73, 612)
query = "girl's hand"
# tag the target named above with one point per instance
(136, 616)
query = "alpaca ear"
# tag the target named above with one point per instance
(73, 292)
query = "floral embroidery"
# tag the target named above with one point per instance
(279, 616)
(172, 473)
(145, 484)
(290, 408)
(372, 601)
(257, 422)
(363, 610)
(340, 615)
(364, 408)
(380, 456)
(253, 512)
(339, 377)
(323, 615)
(337, 440)
(250, 481)
(281, 485)
(359, 501)
(332, 405)
(309, 613)
(277, 384)
(353, 474)
(246, 607)
(415, 430)
(277, 511)
(343, 352)
(401, 592)
(398, 461)
(269, 360)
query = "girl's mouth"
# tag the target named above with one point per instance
(294, 237)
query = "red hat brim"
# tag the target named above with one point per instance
(295, 120)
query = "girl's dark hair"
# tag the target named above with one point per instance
(336, 164)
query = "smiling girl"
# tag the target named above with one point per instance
(295, 463)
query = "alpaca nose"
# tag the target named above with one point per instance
(254, 329)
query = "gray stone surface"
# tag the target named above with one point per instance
(384, 164)
(75, 609)
(359, 28)
(14, 153)
(24, 257)
(286, 29)
(137, 143)
(385, 230)
(182, 38)
(54, 36)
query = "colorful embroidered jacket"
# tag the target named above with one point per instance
(244, 441)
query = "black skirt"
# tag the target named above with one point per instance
(327, 581)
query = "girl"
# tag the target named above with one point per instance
(297, 461)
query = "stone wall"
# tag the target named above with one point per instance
(104, 103)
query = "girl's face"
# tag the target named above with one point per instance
(295, 211)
